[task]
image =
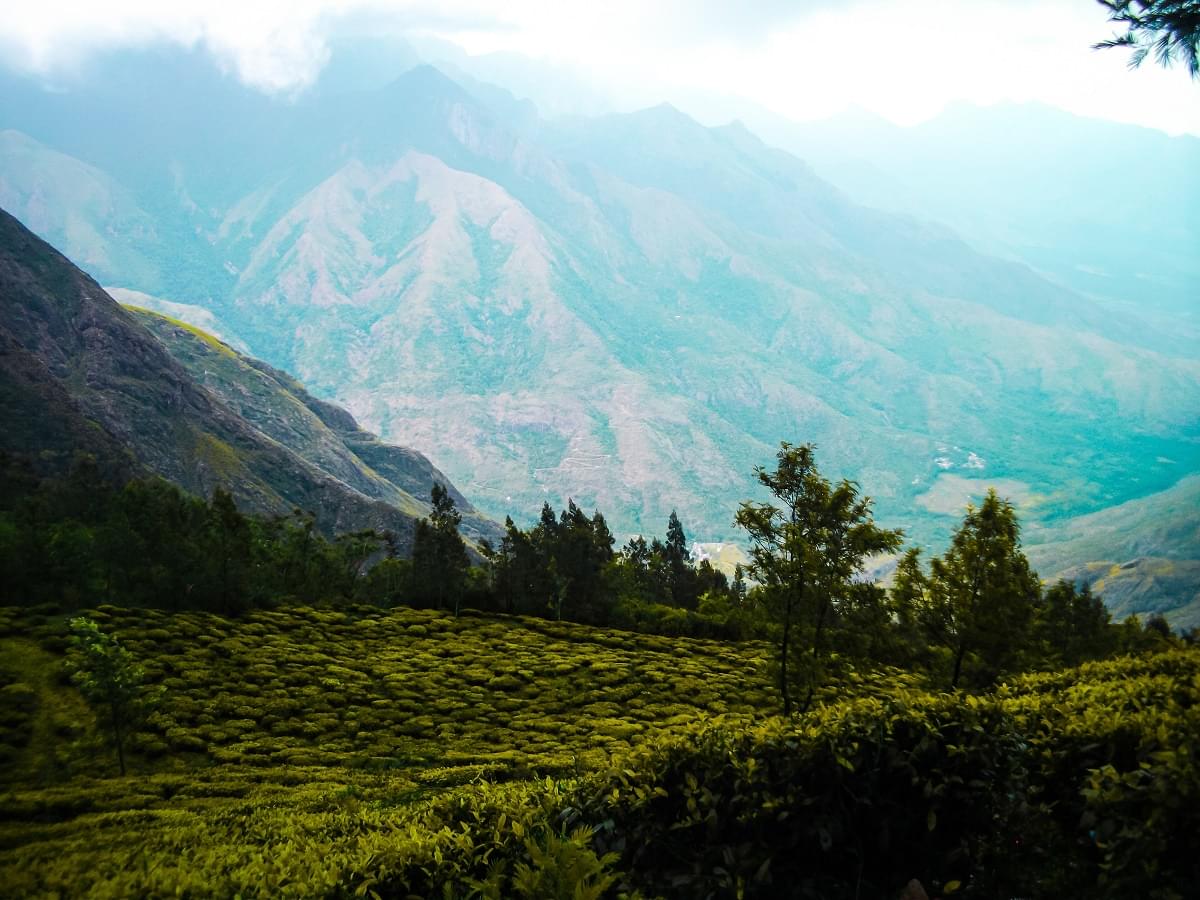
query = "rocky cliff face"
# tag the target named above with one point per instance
(630, 311)
(80, 373)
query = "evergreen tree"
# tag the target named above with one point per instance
(1074, 625)
(983, 595)
(739, 588)
(681, 583)
(1170, 29)
(230, 553)
(547, 546)
(909, 602)
(660, 572)
(440, 559)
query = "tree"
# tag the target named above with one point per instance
(808, 555)
(983, 595)
(230, 553)
(681, 581)
(350, 552)
(439, 556)
(579, 549)
(909, 603)
(1074, 625)
(1170, 29)
(110, 680)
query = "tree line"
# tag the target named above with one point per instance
(973, 615)
(969, 617)
(80, 540)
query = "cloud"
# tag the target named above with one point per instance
(904, 59)
(274, 45)
(280, 45)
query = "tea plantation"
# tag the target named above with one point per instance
(408, 753)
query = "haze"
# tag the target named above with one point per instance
(902, 60)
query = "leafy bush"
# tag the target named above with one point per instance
(610, 763)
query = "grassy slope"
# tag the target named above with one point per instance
(311, 712)
(418, 687)
(1142, 556)
(318, 753)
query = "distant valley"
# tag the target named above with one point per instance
(628, 310)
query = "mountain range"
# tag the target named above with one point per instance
(145, 394)
(630, 310)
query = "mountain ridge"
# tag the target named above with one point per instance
(114, 382)
(632, 311)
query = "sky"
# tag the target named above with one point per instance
(902, 59)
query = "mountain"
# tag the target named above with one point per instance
(1142, 556)
(633, 310)
(79, 373)
(1106, 209)
(77, 207)
(321, 433)
(196, 316)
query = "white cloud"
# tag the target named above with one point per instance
(904, 59)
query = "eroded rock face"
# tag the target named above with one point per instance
(630, 311)
(80, 373)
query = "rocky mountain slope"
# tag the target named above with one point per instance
(630, 310)
(79, 373)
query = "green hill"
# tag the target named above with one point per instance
(410, 688)
(312, 752)
(1142, 557)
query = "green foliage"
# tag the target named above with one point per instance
(1170, 29)
(807, 555)
(1073, 626)
(1114, 765)
(80, 540)
(1057, 786)
(110, 679)
(866, 795)
(983, 596)
(558, 868)
(439, 559)
(318, 752)
(565, 567)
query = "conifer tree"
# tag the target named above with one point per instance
(450, 552)
(1168, 29)
(983, 594)
(439, 558)
(231, 552)
(681, 584)
(1074, 625)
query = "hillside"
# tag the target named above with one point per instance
(82, 374)
(1142, 557)
(628, 310)
(408, 688)
(307, 752)
(321, 434)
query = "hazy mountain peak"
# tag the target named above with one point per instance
(427, 82)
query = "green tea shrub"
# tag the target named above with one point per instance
(869, 794)
(1113, 749)
(274, 783)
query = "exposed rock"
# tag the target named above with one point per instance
(80, 373)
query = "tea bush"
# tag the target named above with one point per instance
(323, 753)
